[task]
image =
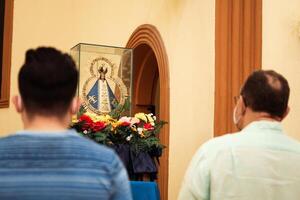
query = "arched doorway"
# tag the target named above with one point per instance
(151, 87)
(145, 83)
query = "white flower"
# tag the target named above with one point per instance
(128, 138)
(140, 130)
(85, 132)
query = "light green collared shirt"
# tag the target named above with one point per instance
(258, 163)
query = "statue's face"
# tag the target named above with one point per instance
(102, 69)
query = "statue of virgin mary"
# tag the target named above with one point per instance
(101, 96)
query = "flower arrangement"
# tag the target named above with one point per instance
(139, 132)
(135, 139)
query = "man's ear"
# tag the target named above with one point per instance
(243, 106)
(287, 111)
(75, 105)
(18, 103)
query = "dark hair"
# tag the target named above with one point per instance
(47, 81)
(266, 91)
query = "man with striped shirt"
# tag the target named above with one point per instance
(45, 160)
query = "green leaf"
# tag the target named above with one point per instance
(120, 109)
(81, 111)
(158, 126)
(100, 137)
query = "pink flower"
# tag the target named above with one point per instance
(128, 121)
(134, 121)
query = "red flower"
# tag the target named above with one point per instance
(85, 118)
(98, 126)
(148, 127)
(125, 124)
(87, 121)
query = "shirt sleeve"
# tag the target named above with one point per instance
(120, 183)
(196, 183)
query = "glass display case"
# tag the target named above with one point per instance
(105, 76)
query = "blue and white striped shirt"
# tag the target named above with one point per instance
(62, 165)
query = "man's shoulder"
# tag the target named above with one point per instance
(220, 142)
(214, 146)
(98, 149)
(64, 140)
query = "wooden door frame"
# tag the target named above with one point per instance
(6, 56)
(149, 35)
(238, 50)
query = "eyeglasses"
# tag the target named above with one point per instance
(236, 99)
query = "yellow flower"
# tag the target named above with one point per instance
(103, 118)
(74, 119)
(115, 125)
(148, 118)
(141, 116)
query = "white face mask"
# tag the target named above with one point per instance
(235, 118)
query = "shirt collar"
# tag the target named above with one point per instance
(273, 126)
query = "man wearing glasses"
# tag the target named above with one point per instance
(260, 162)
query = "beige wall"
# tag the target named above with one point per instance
(281, 51)
(187, 28)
